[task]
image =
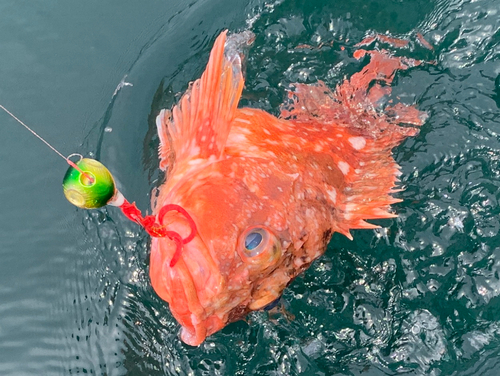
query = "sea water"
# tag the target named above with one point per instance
(419, 296)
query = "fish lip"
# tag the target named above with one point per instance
(193, 329)
(182, 292)
(176, 286)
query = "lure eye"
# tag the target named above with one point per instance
(258, 245)
(91, 190)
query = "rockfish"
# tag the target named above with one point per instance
(254, 199)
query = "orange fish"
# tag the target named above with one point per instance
(254, 199)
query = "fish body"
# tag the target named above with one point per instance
(267, 193)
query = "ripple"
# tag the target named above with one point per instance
(419, 296)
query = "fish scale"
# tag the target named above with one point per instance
(323, 166)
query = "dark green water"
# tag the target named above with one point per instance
(420, 297)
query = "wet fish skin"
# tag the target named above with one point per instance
(324, 166)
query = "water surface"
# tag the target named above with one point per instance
(420, 296)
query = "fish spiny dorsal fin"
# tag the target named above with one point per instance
(359, 136)
(198, 126)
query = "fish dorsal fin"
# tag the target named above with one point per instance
(198, 126)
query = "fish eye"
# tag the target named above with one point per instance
(258, 245)
(253, 240)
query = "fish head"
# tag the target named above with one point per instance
(233, 263)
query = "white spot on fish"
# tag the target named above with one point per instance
(238, 138)
(298, 262)
(243, 120)
(196, 161)
(318, 147)
(357, 143)
(332, 193)
(344, 167)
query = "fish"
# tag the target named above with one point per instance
(252, 198)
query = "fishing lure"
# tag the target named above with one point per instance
(88, 184)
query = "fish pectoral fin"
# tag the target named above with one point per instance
(359, 130)
(198, 126)
(370, 177)
(370, 173)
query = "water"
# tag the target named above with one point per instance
(419, 297)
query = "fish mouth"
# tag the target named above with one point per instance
(191, 288)
(184, 300)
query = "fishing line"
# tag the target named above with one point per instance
(95, 188)
(67, 159)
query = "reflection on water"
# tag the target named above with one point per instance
(420, 296)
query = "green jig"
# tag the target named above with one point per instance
(91, 190)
